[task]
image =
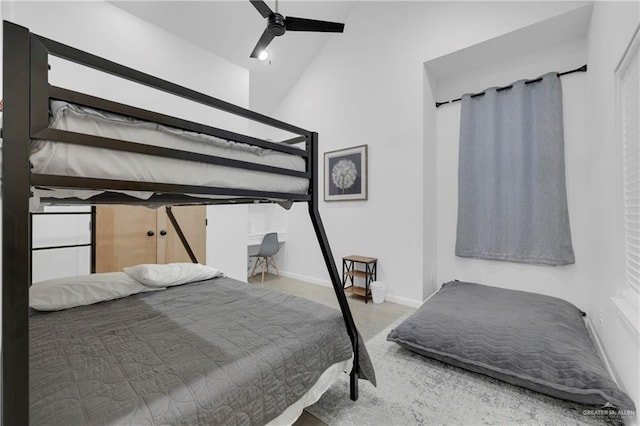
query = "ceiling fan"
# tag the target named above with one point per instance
(277, 25)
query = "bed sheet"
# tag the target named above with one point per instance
(215, 352)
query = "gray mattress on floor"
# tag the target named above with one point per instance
(216, 352)
(526, 339)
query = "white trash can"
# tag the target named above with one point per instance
(378, 291)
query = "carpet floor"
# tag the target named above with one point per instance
(414, 390)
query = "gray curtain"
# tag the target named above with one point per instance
(512, 201)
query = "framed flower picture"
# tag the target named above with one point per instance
(345, 174)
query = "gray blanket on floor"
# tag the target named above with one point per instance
(216, 352)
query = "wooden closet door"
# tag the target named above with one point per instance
(192, 220)
(122, 237)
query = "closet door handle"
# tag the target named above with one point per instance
(151, 233)
(163, 232)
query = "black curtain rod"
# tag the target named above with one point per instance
(560, 74)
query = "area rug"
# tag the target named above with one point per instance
(414, 390)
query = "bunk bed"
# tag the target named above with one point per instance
(29, 103)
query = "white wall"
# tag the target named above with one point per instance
(227, 239)
(265, 218)
(105, 30)
(612, 25)
(429, 190)
(366, 87)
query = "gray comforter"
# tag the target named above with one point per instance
(211, 353)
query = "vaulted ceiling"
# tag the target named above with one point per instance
(231, 29)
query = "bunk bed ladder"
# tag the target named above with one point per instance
(314, 213)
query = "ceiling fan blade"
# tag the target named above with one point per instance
(264, 41)
(262, 7)
(302, 24)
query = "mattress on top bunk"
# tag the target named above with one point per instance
(214, 352)
(76, 160)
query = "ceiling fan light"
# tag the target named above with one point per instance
(263, 55)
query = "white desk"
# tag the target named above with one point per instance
(255, 238)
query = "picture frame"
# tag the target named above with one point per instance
(345, 174)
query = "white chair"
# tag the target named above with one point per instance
(268, 249)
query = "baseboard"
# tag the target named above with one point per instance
(326, 283)
(305, 278)
(628, 420)
(600, 348)
(403, 301)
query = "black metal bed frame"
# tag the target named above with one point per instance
(91, 244)
(27, 93)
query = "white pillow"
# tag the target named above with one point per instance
(68, 292)
(172, 273)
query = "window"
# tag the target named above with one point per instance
(628, 99)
